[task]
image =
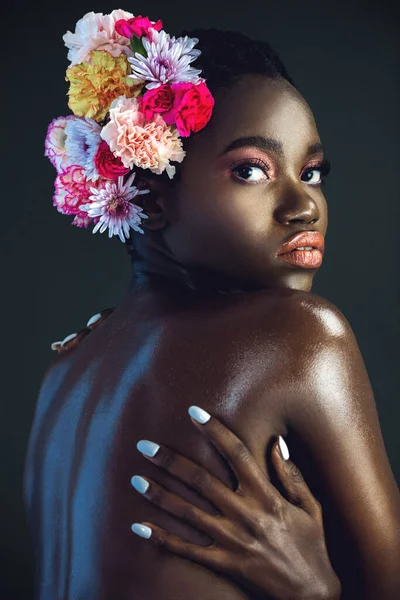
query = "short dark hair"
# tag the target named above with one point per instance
(225, 57)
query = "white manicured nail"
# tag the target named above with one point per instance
(93, 319)
(69, 337)
(140, 484)
(142, 530)
(198, 414)
(283, 448)
(55, 344)
(148, 448)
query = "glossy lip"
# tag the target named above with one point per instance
(306, 259)
(304, 238)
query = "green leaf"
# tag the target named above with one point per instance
(137, 46)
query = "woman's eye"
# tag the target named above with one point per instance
(314, 181)
(250, 173)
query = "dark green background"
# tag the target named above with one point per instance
(343, 56)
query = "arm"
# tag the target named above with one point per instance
(272, 547)
(333, 417)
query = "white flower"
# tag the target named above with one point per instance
(55, 143)
(167, 61)
(111, 202)
(96, 31)
(82, 142)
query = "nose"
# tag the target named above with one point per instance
(297, 208)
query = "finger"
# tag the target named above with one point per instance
(98, 318)
(74, 339)
(224, 499)
(235, 451)
(215, 526)
(64, 344)
(210, 556)
(296, 489)
(70, 341)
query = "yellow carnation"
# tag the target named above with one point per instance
(95, 84)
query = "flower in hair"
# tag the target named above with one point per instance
(134, 95)
(82, 142)
(55, 143)
(96, 31)
(189, 108)
(138, 26)
(72, 190)
(167, 61)
(111, 203)
(108, 165)
(95, 84)
(141, 143)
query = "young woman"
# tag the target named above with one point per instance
(219, 315)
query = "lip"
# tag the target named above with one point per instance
(304, 238)
(310, 259)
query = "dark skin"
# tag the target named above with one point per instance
(243, 523)
(213, 318)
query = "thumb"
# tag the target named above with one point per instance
(296, 489)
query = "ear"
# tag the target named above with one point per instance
(153, 203)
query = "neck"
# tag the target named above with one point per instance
(156, 268)
(147, 276)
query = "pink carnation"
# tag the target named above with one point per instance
(138, 26)
(148, 145)
(158, 100)
(72, 189)
(108, 165)
(96, 31)
(192, 107)
(55, 143)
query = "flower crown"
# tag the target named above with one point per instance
(133, 95)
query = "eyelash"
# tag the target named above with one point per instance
(323, 166)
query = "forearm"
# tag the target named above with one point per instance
(388, 589)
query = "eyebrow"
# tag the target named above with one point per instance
(263, 143)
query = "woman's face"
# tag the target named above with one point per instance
(233, 208)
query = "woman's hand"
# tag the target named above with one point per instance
(74, 339)
(270, 545)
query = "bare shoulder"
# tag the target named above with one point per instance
(303, 317)
(322, 355)
(335, 439)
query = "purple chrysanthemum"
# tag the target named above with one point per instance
(112, 203)
(167, 61)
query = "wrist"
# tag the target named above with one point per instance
(332, 591)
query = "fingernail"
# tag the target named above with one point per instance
(283, 448)
(69, 337)
(55, 344)
(140, 484)
(142, 530)
(93, 319)
(148, 448)
(198, 414)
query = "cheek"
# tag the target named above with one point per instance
(217, 222)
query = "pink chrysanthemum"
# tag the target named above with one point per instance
(167, 61)
(148, 145)
(96, 31)
(112, 204)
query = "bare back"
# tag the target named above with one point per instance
(134, 378)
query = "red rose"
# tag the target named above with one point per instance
(138, 26)
(108, 165)
(192, 107)
(157, 100)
